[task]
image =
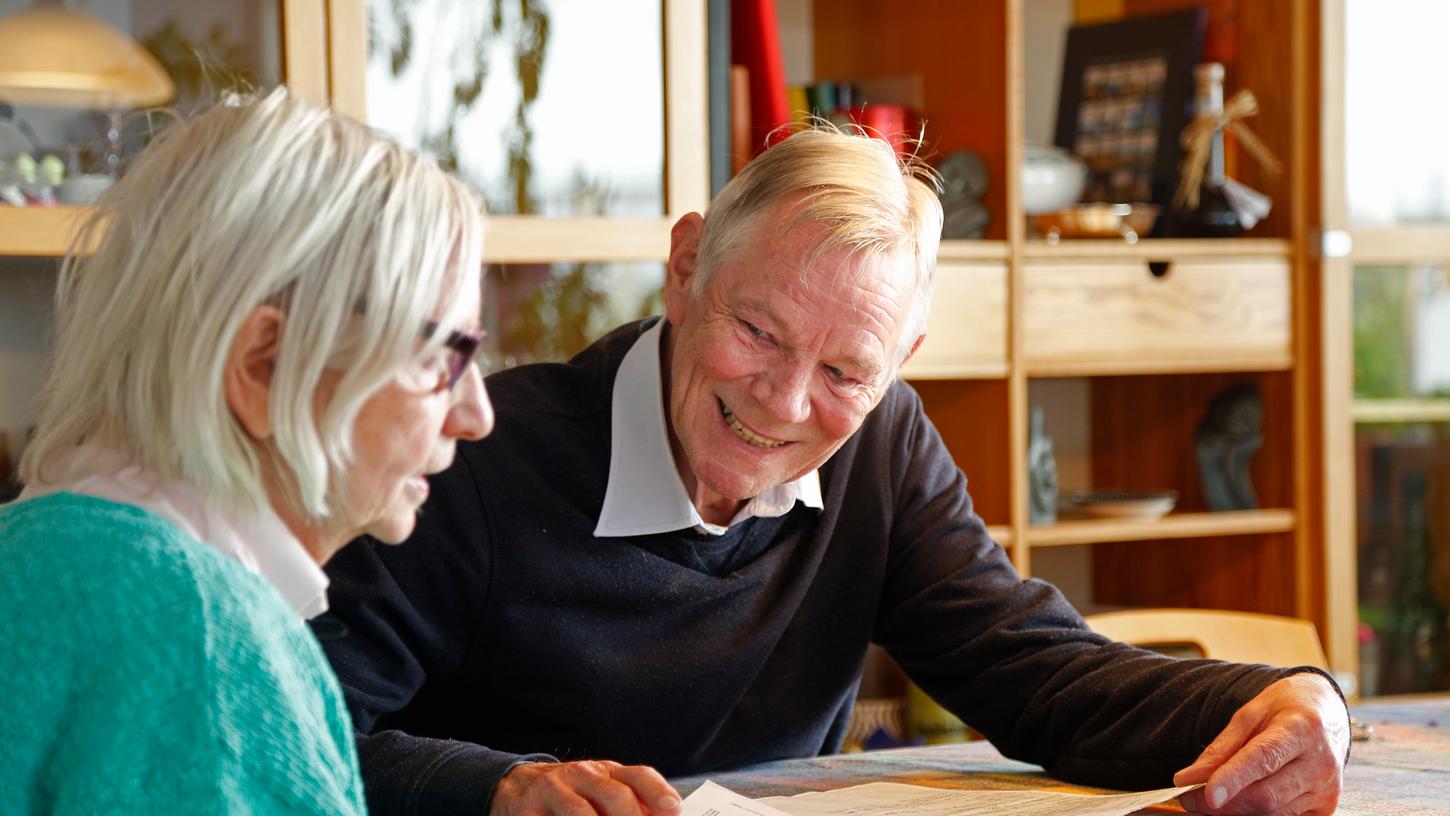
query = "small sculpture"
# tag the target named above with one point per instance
(1226, 442)
(964, 180)
(1041, 471)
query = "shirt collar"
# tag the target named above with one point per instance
(260, 541)
(645, 494)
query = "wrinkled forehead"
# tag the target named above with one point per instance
(813, 289)
(808, 256)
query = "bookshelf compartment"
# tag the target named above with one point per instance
(1144, 433)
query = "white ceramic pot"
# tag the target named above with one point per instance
(84, 189)
(1052, 179)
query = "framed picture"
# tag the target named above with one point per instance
(1126, 95)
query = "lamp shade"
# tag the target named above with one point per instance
(50, 55)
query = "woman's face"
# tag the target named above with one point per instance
(406, 432)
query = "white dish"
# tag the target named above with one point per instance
(1145, 505)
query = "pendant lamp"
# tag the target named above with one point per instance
(54, 56)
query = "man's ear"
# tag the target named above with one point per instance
(680, 270)
(914, 346)
(247, 378)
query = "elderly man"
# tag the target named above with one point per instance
(676, 548)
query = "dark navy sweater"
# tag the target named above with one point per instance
(504, 628)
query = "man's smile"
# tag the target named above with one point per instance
(745, 433)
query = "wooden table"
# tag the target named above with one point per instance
(1403, 769)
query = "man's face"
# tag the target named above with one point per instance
(778, 361)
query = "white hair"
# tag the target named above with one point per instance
(855, 188)
(267, 201)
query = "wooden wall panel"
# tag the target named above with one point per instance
(1251, 573)
(1266, 67)
(960, 52)
(972, 419)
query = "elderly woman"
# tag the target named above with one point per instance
(267, 354)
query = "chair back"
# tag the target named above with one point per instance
(1239, 637)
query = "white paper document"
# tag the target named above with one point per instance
(712, 800)
(892, 799)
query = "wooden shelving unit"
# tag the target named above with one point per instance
(1157, 328)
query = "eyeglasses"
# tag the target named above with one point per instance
(463, 348)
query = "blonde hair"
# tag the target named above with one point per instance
(266, 201)
(856, 188)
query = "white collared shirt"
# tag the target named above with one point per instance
(260, 542)
(645, 494)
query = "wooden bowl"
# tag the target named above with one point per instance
(1126, 221)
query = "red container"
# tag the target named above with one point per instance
(897, 124)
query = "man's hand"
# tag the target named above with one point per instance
(583, 789)
(1282, 753)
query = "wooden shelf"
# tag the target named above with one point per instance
(1215, 364)
(38, 231)
(1174, 525)
(958, 250)
(1158, 249)
(1000, 533)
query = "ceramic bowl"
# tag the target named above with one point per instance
(1052, 179)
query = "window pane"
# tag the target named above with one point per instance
(1395, 119)
(1403, 487)
(549, 312)
(550, 108)
(1401, 331)
(1402, 350)
(210, 48)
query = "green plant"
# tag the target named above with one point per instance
(1381, 343)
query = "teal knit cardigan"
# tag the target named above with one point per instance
(141, 671)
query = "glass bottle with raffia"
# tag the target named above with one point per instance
(1213, 217)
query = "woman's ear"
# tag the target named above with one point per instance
(247, 379)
